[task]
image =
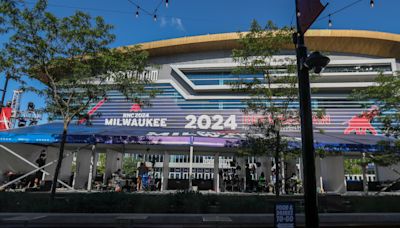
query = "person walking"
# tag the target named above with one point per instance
(41, 161)
(261, 182)
(142, 170)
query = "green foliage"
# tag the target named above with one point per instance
(386, 95)
(272, 97)
(71, 56)
(352, 166)
(8, 12)
(130, 166)
(101, 163)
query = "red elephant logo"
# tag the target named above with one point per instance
(92, 111)
(135, 108)
(360, 124)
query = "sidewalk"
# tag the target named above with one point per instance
(189, 220)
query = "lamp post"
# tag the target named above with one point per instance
(307, 139)
(317, 62)
(306, 13)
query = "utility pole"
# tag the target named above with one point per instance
(307, 138)
(306, 13)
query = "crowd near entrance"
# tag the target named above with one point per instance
(139, 168)
(151, 171)
(128, 170)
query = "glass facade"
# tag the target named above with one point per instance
(227, 78)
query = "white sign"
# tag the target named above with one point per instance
(285, 216)
(148, 75)
(136, 120)
(214, 122)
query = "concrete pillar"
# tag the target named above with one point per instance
(332, 171)
(82, 168)
(318, 177)
(216, 173)
(92, 168)
(288, 169)
(191, 168)
(165, 172)
(389, 173)
(113, 163)
(291, 167)
(241, 161)
(265, 167)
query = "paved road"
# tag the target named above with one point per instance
(9, 220)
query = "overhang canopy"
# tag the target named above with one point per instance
(359, 42)
(81, 134)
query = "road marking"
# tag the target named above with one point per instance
(216, 219)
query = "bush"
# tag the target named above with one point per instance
(184, 202)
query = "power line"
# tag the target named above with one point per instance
(84, 8)
(116, 11)
(148, 12)
(139, 8)
(343, 8)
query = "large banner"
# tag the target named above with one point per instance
(170, 114)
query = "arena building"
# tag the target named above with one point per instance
(195, 124)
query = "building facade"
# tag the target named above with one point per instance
(194, 76)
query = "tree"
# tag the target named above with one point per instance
(71, 57)
(8, 13)
(273, 90)
(130, 166)
(101, 164)
(386, 95)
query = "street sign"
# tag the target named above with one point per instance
(285, 216)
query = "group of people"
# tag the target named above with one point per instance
(143, 181)
(230, 181)
(33, 181)
(291, 184)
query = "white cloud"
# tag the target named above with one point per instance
(177, 23)
(173, 22)
(163, 22)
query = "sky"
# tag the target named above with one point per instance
(189, 17)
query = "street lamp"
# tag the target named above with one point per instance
(316, 61)
(307, 12)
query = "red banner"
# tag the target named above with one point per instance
(307, 12)
(5, 118)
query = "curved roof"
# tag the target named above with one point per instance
(345, 41)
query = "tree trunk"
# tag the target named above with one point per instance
(365, 180)
(59, 162)
(364, 174)
(277, 151)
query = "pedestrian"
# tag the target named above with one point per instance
(41, 161)
(261, 182)
(248, 180)
(143, 170)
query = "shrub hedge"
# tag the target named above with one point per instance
(184, 202)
